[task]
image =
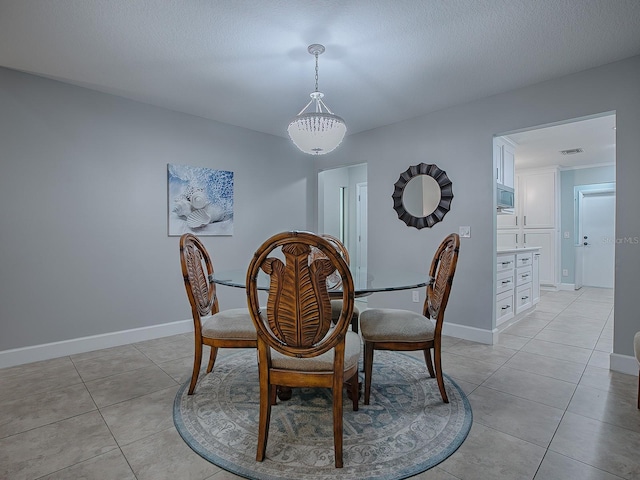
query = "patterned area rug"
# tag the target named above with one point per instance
(406, 429)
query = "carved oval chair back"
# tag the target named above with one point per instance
(297, 344)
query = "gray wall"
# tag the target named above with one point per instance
(83, 187)
(83, 244)
(459, 140)
(568, 180)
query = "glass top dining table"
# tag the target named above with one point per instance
(385, 280)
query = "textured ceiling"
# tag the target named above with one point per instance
(596, 137)
(244, 62)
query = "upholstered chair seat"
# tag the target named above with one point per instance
(389, 325)
(232, 324)
(322, 362)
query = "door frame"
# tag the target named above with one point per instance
(580, 191)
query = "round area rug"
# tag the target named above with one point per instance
(406, 429)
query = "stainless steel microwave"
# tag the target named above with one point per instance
(505, 197)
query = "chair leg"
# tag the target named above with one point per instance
(265, 418)
(427, 358)
(354, 389)
(354, 323)
(638, 390)
(439, 377)
(337, 419)
(212, 358)
(368, 367)
(197, 358)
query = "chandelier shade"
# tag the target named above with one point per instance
(317, 133)
(320, 131)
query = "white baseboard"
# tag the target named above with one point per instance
(19, 356)
(567, 286)
(468, 333)
(623, 364)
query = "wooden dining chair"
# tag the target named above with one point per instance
(231, 328)
(297, 344)
(334, 280)
(404, 330)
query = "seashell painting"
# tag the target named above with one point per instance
(198, 218)
(200, 200)
(181, 207)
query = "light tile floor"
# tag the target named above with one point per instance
(545, 406)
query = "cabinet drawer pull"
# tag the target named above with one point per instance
(504, 282)
(506, 263)
(524, 298)
(506, 307)
(524, 275)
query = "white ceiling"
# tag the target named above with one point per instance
(244, 62)
(542, 147)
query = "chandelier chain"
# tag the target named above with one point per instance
(316, 55)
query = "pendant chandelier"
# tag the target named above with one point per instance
(319, 131)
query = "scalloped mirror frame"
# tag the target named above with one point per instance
(446, 195)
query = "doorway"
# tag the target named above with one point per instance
(361, 233)
(342, 210)
(596, 236)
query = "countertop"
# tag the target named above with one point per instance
(518, 250)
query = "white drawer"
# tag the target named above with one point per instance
(523, 298)
(505, 281)
(504, 307)
(505, 262)
(524, 259)
(524, 275)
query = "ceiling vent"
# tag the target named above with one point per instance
(571, 151)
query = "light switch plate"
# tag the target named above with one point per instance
(465, 232)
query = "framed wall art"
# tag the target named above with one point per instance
(200, 200)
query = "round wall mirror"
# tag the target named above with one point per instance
(422, 195)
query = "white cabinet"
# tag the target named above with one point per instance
(517, 287)
(538, 199)
(535, 222)
(535, 278)
(507, 239)
(504, 154)
(524, 275)
(505, 287)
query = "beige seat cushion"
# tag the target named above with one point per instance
(336, 308)
(232, 324)
(636, 346)
(393, 325)
(323, 362)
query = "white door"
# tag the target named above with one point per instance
(597, 235)
(361, 234)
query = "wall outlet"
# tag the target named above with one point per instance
(465, 232)
(565, 272)
(415, 296)
(566, 235)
